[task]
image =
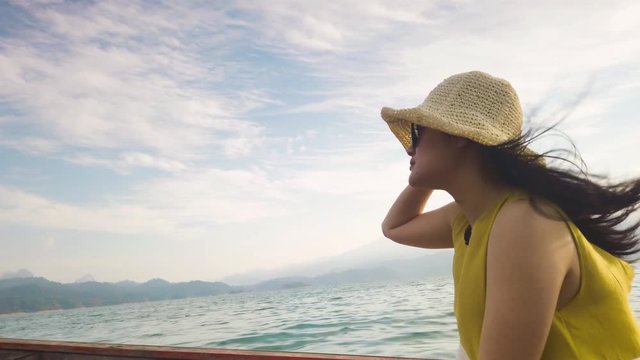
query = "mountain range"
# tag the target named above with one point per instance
(37, 293)
(381, 260)
(382, 252)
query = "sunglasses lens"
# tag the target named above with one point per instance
(415, 134)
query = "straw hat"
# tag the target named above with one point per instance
(473, 105)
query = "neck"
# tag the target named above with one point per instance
(475, 192)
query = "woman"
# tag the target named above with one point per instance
(538, 263)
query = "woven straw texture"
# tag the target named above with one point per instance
(474, 105)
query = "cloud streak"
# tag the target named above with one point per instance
(118, 75)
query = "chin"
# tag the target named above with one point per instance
(417, 182)
(423, 181)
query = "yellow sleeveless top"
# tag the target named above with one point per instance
(598, 323)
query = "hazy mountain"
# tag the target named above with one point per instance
(422, 267)
(35, 294)
(416, 268)
(22, 273)
(367, 256)
(86, 278)
(381, 260)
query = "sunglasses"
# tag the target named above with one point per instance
(416, 132)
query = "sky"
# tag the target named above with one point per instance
(192, 140)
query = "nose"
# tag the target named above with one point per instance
(411, 151)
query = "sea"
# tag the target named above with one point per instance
(404, 319)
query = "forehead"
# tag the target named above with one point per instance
(433, 133)
(424, 128)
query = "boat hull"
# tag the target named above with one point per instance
(66, 350)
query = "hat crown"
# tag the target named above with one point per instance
(473, 105)
(478, 101)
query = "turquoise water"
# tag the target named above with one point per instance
(413, 319)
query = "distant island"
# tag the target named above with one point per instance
(22, 292)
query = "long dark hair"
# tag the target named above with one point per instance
(597, 208)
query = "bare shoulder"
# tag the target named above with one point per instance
(521, 228)
(521, 216)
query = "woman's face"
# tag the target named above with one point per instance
(434, 158)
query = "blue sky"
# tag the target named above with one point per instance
(197, 139)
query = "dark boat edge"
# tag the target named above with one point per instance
(67, 350)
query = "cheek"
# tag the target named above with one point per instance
(434, 165)
(435, 156)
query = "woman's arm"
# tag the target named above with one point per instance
(406, 224)
(528, 258)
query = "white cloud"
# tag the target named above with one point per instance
(625, 18)
(187, 206)
(138, 93)
(313, 28)
(393, 59)
(552, 53)
(191, 203)
(128, 161)
(48, 243)
(118, 75)
(21, 207)
(29, 144)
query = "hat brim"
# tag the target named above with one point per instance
(400, 120)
